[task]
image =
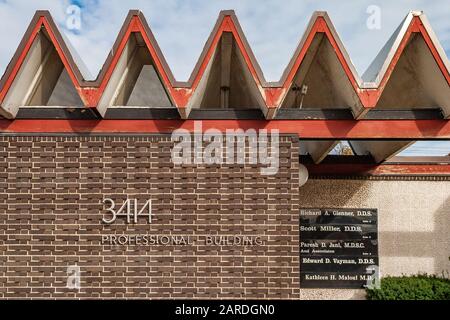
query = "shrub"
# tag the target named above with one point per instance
(420, 287)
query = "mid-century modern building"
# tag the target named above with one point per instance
(80, 158)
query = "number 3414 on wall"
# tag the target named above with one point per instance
(129, 209)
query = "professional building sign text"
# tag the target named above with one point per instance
(132, 212)
(172, 240)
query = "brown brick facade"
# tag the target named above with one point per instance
(51, 209)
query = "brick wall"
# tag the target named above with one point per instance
(51, 209)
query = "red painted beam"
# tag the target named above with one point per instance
(306, 129)
(406, 169)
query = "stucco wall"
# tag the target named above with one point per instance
(413, 223)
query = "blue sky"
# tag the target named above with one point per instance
(272, 27)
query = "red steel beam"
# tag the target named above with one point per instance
(305, 129)
(404, 169)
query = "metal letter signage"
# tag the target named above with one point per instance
(338, 248)
(129, 209)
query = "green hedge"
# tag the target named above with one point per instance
(421, 287)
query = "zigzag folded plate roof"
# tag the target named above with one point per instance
(368, 89)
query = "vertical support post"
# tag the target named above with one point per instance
(226, 50)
